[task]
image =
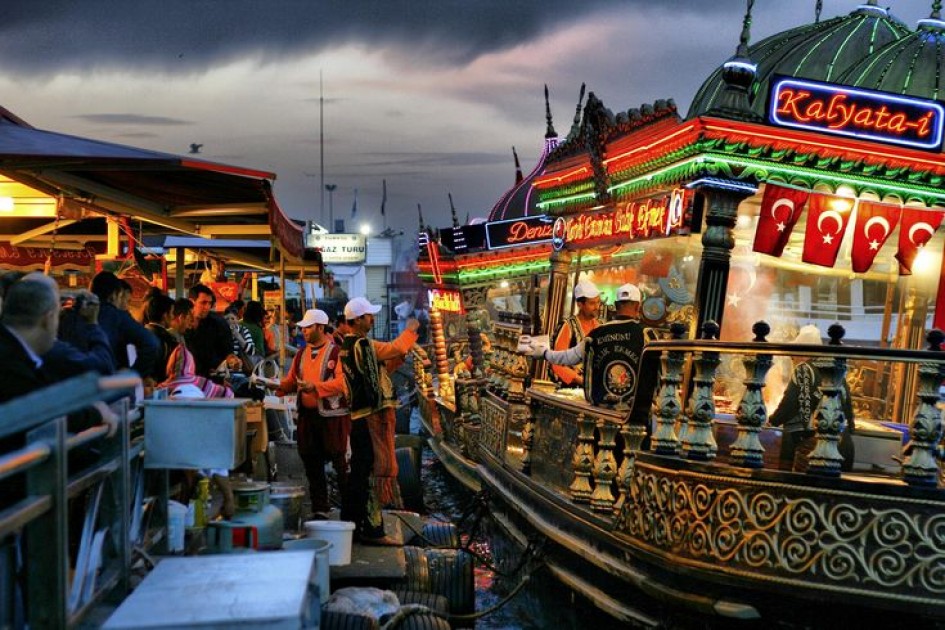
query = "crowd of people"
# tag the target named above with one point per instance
(345, 401)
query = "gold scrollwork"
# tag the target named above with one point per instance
(841, 540)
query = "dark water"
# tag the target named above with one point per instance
(542, 602)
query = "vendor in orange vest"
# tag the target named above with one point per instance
(572, 331)
(324, 420)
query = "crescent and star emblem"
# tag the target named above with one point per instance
(782, 225)
(921, 226)
(829, 214)
(875, 243)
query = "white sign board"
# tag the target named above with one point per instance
(345, 249)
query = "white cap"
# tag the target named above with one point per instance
(585, 289)
(360, 306)
(628, 293)
(809, 334)
(313, 316)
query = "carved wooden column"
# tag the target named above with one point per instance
(718, 240)
(441, 361)
(555, 304)
(633, 436)
(920, 466)
(752, 414)
(829, 420)
(698, 442)
(669, 402)
(605, 468)
(583, 461)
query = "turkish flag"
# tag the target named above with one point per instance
(827, 219)
(874, 223)
(780, 209)
(917, 227)
(656, 262)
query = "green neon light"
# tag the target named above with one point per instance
(520, 268)
(563, 200)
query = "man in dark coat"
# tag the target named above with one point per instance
(210, 341)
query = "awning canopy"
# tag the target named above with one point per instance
(167, 193)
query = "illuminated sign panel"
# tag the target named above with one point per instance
(445, 300)
(627, 221)
(857, 113)
(348, 249)
(524, 231)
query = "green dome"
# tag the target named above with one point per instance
(911, 66)
(822, 51)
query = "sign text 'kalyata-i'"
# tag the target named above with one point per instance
(858, 113)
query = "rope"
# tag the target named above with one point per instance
(414, 609)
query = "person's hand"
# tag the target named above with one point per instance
(412, 324)
(536, 349)
(305, 386)
(109, 418)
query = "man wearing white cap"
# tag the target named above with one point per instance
(372, 482)
(572, 330)
(324, 420)
(611, 354)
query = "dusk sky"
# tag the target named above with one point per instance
(429, 95)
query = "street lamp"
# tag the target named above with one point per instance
(331, 208)
(365, 229)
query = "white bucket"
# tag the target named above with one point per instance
(176, 514)
(322, 550)
(338, 533)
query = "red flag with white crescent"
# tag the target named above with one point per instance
(827, 218)
(780, 209)
(874, 223)
(917, 228)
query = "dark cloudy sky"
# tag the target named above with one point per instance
(429, 95)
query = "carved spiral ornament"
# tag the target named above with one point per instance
(887, 546)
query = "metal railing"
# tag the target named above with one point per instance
(93, 476)
(685, 422)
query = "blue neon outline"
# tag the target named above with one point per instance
(869, 94)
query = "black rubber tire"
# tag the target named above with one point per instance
(408, 477)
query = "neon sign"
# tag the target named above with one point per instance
(628, 221)
(858, 113)
(444, 300)
(527, 230)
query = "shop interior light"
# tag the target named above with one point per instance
(6, 204)
(366, 229)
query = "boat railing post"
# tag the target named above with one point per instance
(828, 419)
(747, 450)
(528, 434)
(605, 468)
(583, 460)
(920, 466)
(698, 440)
(668, 406)
(633, 436)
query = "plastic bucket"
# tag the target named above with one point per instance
(176, 515)
(338, 533)
(322, 549)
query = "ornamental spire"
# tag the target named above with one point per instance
(817, 9)
(576, 124)
(518, 167)
(936, 10)
(453, 210)
(742, 50)
(420, 215)
(550, 128)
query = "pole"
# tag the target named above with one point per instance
(321, 146)
(331, 207)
